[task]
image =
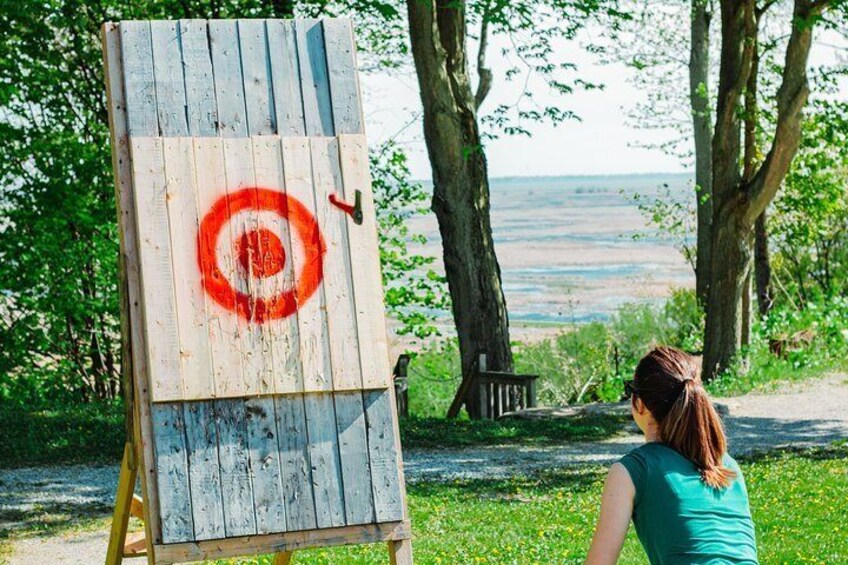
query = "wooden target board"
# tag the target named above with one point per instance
(249, 243)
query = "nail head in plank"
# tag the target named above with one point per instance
(170, 83)
(353, 449)
(139, 82)
(237, 490)
(324, 457)
(314, 82)
(256, 67)
(383, 455)
(172, 470)
(205, 477)
(265, 465)
(294, 462)
(201, 108)
(229, 85)
(344, 84)
(285, 74)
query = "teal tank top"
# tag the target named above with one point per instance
(682, 521)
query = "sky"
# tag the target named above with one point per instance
(602, 143)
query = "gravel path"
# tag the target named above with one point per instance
(802, 414)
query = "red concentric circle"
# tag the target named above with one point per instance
(266, 263)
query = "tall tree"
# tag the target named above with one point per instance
(739, 200)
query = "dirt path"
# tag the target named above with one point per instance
(802, 414)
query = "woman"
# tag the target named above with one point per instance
(686, 496)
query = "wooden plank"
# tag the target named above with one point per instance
(229, 87)
(234, 460)
(353, 450)
(122, 170)
(201, 108)
(238, 163)
(324, 457)
(283, 558)
(207, 502)
(400, 552)
(168, 74)
(312, 314)
(285, 75)
(157, 278)
(123, 507)
(344, 83)
(256, 68)
(338, 284)
(172, 471)
(139, 83)
(314, 82)
(265, 465)
(384, 456)
(365, 268)
(222, 324)
(281, 335)
(275, 543)
(183, 220)
(294, 462)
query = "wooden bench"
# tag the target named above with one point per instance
(488, 395)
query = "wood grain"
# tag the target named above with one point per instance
(168, 74)
(353, 449)
(344, 83)
(324, 457)
(265, 465)
(256, 68)
(314, 81)
(139, 82)
(383, 456)
(229, 85)
(295, 463)
(207, 504)
(201, 108)
(172, 471)
(234, 458)
(285, 75)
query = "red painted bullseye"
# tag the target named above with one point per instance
(261, 253)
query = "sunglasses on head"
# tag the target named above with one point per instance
(630, 389)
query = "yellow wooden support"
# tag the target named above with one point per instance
(123, 506)
(283, 558)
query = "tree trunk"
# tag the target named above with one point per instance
(460, 183)
(736, 203)
(762, 265)
(699, 73)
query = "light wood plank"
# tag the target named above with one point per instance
(344, 84)
(229, 87)
(256, 67)
(139, 83)
(123, 507)
(183, 220)
(314, 82)
(383, 455)
(312, 314)
(201, 108)
(265, 465)
(234, 459)
(353, 449)
(168, 73)
(283, 358)
(324, 456)
(157, 278)
(207, 502)
(172, 471)
(400, 552)
(338, 285)
(285, 74)
(238, 163)
(294, 462)
(222, 323)
(365, 269)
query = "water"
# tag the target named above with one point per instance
(567, 250)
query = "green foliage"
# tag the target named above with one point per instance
(674, 217)
(414, 292)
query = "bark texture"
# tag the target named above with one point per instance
(738, 203)
(460, 183)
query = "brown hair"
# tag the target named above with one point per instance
(669, 383)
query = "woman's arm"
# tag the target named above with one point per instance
(616, 510)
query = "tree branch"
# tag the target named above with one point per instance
(484, 73)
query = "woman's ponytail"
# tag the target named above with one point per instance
(668, 382)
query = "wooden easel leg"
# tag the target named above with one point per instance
(283, 558)
(400, 552)
(123, 507)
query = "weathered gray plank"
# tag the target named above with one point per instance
(294, 462)
(207, 504)
(324, 457)
(265, 465)
(285, 75)
(201, 109)
(239, 518)
(229, 87)
(168, 73)
(388, 502)
(139, 84)
(256, 67)
(314, 83)
(344, 85)
(172, 472)
(353, 449)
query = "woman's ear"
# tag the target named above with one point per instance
(639, 405)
